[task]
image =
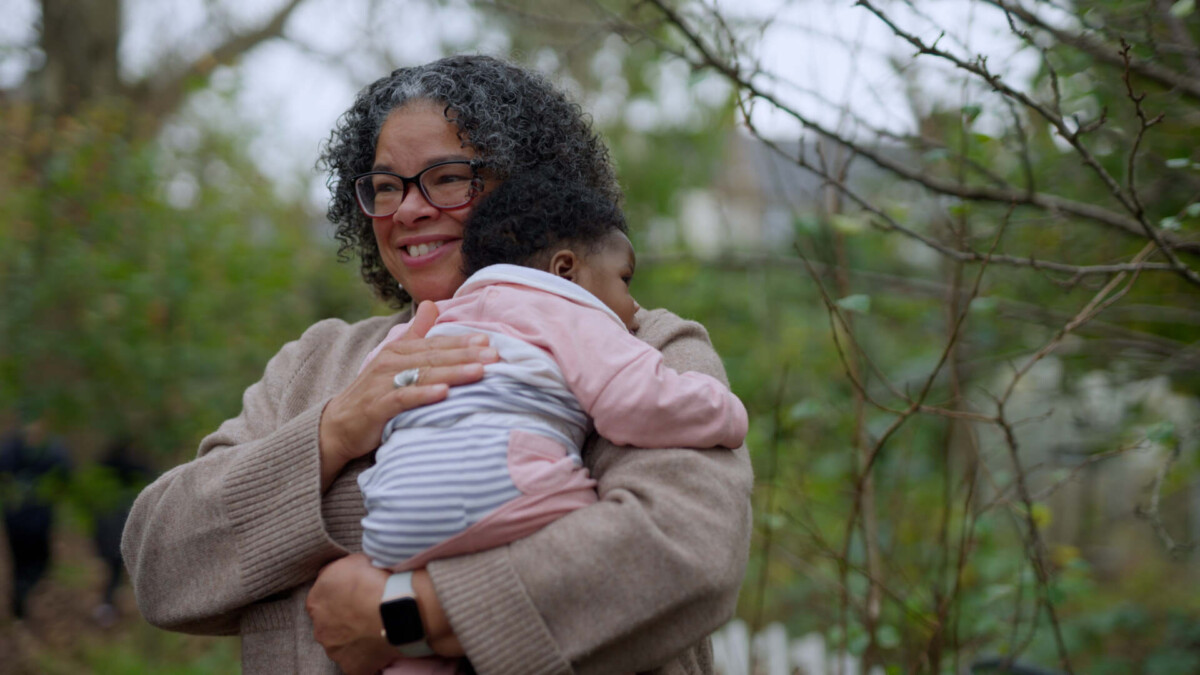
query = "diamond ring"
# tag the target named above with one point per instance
(406, 378)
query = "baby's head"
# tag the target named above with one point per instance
(558, 226)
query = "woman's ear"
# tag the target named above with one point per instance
(564, 264)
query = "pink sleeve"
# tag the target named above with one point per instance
(622, 382)
(394, 334)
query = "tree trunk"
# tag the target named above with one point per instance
(80, 40)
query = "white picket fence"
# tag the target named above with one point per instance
(771, 652)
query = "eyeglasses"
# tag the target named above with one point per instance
(445, 185)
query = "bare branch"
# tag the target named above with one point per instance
(1050, 69)
(1105, 297)
(1151, 511)
(1034, 545)
(980, 69)
(1145, 124)
(1183, 41)
(1052, 203)
(771, 477)
(162, 94)
(1106, 53)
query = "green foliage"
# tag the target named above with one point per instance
(959, 571)
(142, 649)
(145, 289)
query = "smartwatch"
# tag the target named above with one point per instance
(402, 626)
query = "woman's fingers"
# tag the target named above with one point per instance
(424, 318)
(413, 396)
(452, 375)
(395, 361)
(413, 345)
(353, 420)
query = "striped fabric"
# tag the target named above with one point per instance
(443, 467)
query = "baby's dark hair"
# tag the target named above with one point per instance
(529, 217)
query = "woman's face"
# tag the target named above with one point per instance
(420, 244)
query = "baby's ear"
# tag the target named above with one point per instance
(564, 264)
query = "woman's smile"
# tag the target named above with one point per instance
(418, 250)
(426, 249)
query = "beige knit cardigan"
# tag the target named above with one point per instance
(229, 543)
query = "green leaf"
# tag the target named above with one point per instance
(1170, 223)
(1162, 433)
(888, 637)
(855, 303)
(774, 521)
(806, 224)
(847, 224)
(1182, 8)
(1041, 515)
(983, 305)
(937, 154)
(994, 592)
(971, 111)
(1193, 210)
(806, 409)
(858, 643)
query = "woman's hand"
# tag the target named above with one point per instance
(344, 606)
(353, 420)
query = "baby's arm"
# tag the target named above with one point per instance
(622, 382)
(642, 402)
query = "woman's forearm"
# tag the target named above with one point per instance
(229, 528)
(244, 520)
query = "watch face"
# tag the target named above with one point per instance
(402, 621)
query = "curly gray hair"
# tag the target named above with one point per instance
(514, 119)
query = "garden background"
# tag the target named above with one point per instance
(949, 251)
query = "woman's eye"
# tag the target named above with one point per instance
(627, 280)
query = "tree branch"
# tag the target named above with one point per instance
(1151, 512)
(1105, 52)
(161, 94)
(1052, 203)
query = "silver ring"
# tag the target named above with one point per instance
(406, 378)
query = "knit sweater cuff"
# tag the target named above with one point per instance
(273, 499)
(494, 619)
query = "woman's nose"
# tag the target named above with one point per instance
(413, 208)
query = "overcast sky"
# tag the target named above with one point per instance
(827, 53)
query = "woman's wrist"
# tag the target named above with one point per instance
(438, 631)
(332, 459)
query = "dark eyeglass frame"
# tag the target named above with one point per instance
(475, 189)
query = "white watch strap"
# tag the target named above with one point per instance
(399, 585)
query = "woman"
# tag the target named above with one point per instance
(235, 541)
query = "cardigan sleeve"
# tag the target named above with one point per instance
(628, 583)
(244, 519)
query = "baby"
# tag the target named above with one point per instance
(548, 265)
